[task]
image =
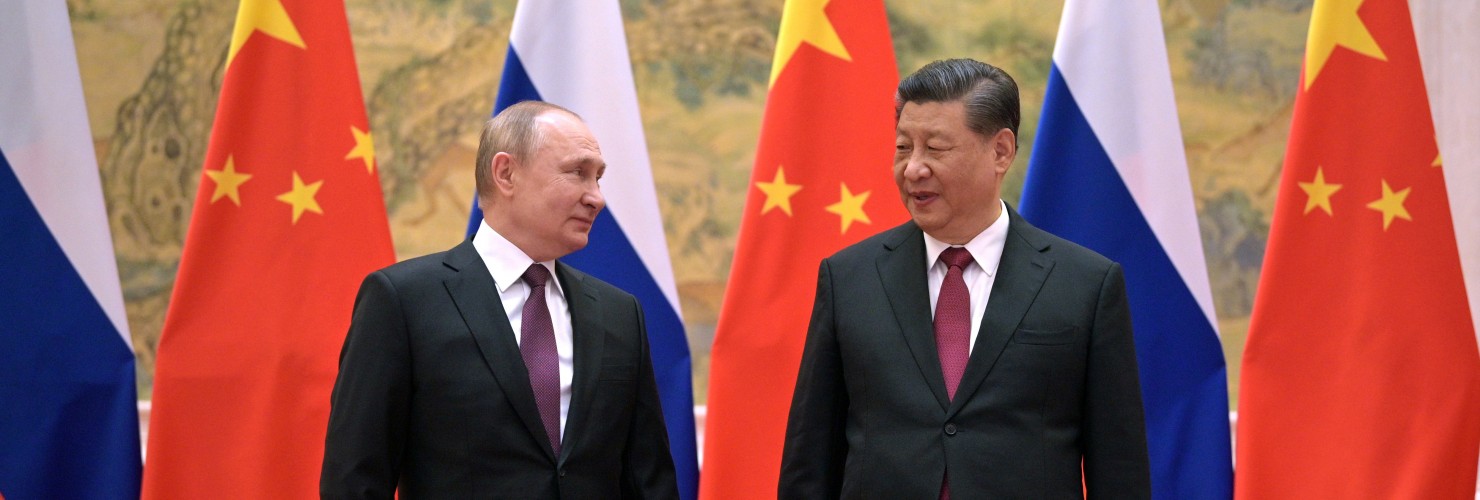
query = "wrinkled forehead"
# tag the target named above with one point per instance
(566, 134)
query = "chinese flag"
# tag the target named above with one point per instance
(1361, 377)
(287, 221)
(822, 180)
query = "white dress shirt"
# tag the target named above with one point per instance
(986, 252)
(507, 264)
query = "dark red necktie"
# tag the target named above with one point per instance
(537, 347)
(953, 319)
(953, 329)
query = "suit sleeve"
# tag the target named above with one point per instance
(816, 448)
(1116, 464)
(647, 470)
(369, 405)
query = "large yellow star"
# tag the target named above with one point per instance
(1333, 23)
(267, 16)
(302, 197)
(1318, 193)
(850, 208)
(228, 182)
(805, 21)
(778, 192)
(364, 148)
(1391, 205)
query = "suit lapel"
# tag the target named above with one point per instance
(588, 337)
(1020, 276)
(902, 270)
(476, 296)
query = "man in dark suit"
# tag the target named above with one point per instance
(492, 370)
(965, 353)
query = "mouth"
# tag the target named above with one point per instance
(923, 197)
(585, 220)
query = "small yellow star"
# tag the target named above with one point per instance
(1319, 193)
(267, 16)
(1391, 205)
(228, 182)
(778, 192)
(364, 148)
(302, 197)
(850, 208)
(1438, 160)
(805, 21)
(1334, 23)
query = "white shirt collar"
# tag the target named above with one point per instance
(985, 247)
(505, 261)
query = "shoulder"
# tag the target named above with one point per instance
(871, 247)
(430, 268)
(576, 280)
(1064, 252)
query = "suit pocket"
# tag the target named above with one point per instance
(1062, 336)
(618, 373)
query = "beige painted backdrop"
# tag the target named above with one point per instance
(151, 73)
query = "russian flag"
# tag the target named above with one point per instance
(1109, 172)
(575, 54)
(69, 422)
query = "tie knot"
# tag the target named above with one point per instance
(956, 257)
(536, 275)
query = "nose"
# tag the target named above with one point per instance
(915, 168)
(593, 198)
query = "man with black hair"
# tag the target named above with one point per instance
(965, 353)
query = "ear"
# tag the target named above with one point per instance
(503, 173)
(1004, 148)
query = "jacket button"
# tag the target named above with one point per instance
(950, 429)
(562, 472)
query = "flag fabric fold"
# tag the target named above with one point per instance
(822, 180)
(70, 423)
(574, 55)
(1109, 172)
(288, 220)
(1361, 375)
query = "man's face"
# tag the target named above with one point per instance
(556, 195)
(949, 177)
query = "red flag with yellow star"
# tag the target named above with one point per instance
(822, 180)
(1361, 377)
(287, 221)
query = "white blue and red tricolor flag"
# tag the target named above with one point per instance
(574, 54)
(69, 422)
(1109, 172)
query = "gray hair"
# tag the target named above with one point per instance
(512, 131)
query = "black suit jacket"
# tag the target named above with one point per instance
(433, 394)
(1051, 382)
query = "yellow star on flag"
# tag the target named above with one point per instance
(1319, 193)
(778, 192)
(1336, 23)
(364, 148)
(228, 182)
(1391, 205)
(302, 197)
(805, 21)
(267, 16)
(850, 207)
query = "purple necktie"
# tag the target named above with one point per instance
(537, 347)
(953, 329)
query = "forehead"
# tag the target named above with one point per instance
(932, 118)
(565, 135)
